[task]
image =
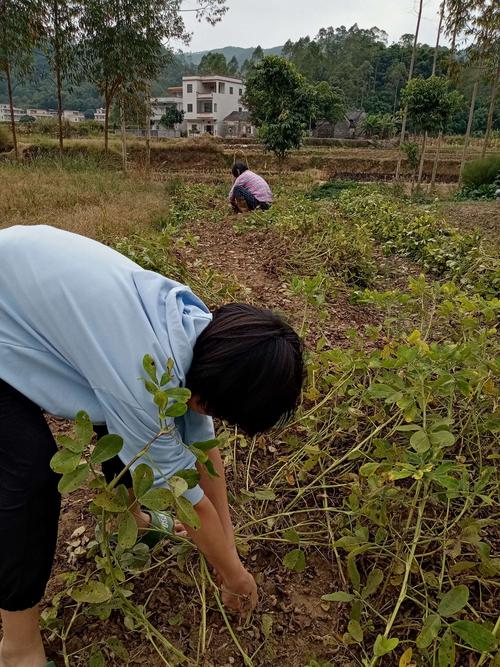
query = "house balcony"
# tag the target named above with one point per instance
(205, 96)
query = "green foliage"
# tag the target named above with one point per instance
(5, 140)
(430, 103)
(281, 103)
(117, 556)
(171, 117)
(215, 63)
(332, 189)
(421, 236)
(329, 102)
(483, 192)
(381, 125)
(409, 405)
(412, 152)
(481, 172)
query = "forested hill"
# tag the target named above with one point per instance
(361, 62)
(39, 91)
(241, 54)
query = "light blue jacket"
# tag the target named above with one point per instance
(76, 319)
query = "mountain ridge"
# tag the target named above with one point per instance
(242, 53)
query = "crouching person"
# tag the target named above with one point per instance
(76, 318)
(250, 191)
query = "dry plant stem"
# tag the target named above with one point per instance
(331, 536)
(409, 561)
(337, 462)
(246, 658)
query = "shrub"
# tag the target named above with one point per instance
(5, 141)
(381, 125)
(481, 172)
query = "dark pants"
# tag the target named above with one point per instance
(243, 200)
(30, 503)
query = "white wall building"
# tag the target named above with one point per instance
(41, 113)
(207, 100)
(73, 116)
(100, 115)
(5, 113)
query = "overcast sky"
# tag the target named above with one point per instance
(272, 22)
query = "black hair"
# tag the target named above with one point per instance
(238, 168)
(247, 368)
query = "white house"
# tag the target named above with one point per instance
(5, 113)
(41, 113)
(208, 100)
(73, 116)
(100, 115)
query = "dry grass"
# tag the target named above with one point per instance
(95, 203)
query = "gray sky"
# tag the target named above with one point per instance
(272, 22)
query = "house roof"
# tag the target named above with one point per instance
(238, 116)
(211, 77)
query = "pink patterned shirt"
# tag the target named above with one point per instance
(254, 184)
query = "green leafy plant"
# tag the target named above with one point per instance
(117, 551)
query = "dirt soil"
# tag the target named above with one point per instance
(303, 627)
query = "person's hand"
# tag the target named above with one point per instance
(180, 529)
(240, 593)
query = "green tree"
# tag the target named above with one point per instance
(410, 76)
(328, 103)
(429, 104)
(171, 117)
(20, 28)
(281, 103)
(381, 125)
(213, 63)
(60, 28)
(233, 67)
(122, 46)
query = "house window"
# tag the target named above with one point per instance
(231, 90)
(194, 127)
(249, 129)
(190, 108)
(190, 88)
(241, 91)
(222, 88)
(240, 109)
(215, 107)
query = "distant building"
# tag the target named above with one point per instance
(41, 113)
(100, 115)
(73, 116)
(5, 113)
(238, 124)
(208, 100)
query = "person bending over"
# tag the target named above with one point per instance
(250, 191)
(76, 319)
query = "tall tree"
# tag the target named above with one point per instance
(60, 34)
(483, 27)
(487, 29)
(122, 46)
(429, 104)
(213, 63)
(434, 65)
(281, 103)
(410, 76)
(20, 27)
